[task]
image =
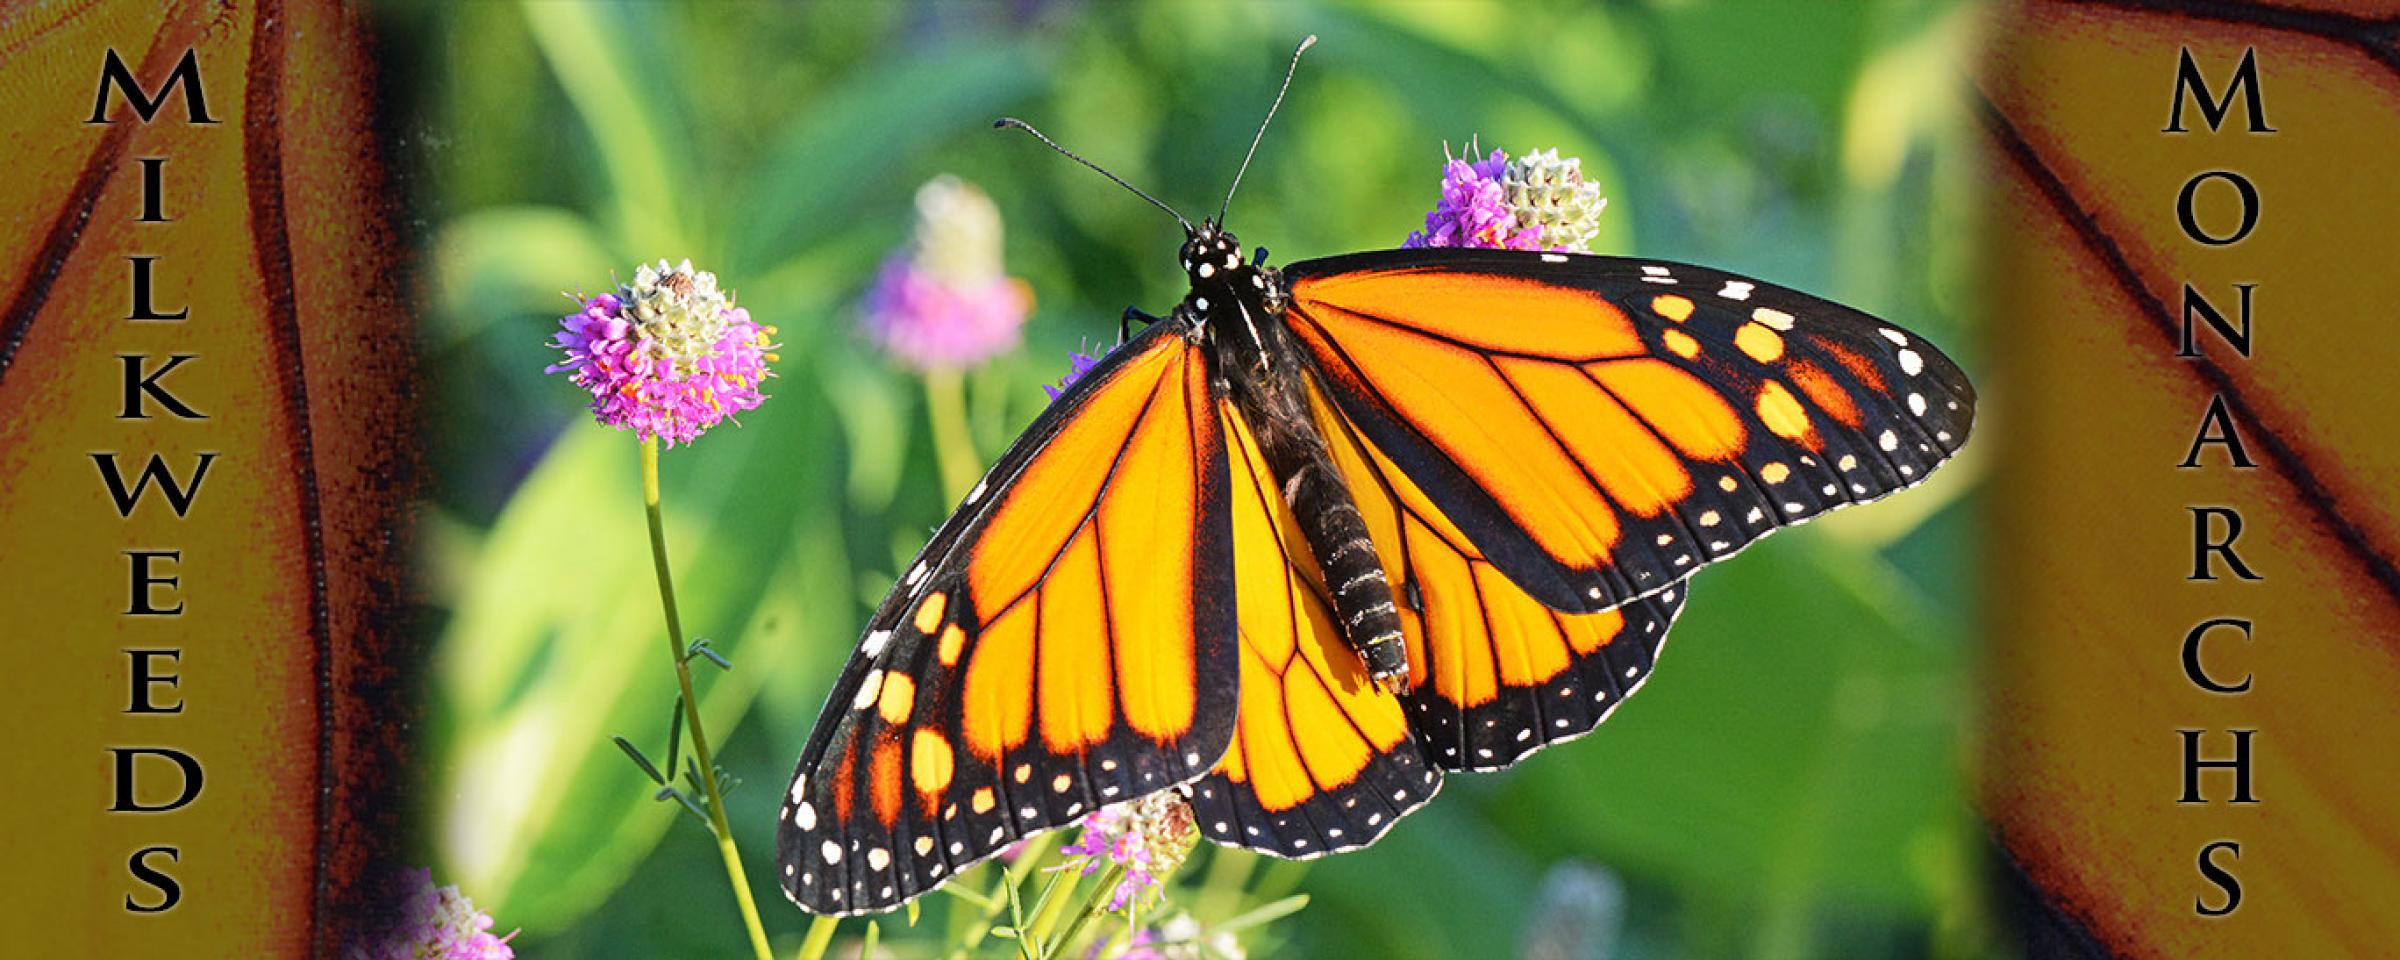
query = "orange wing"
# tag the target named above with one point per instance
(1050, 652)
(1322, 759)
(1494, 675)
(1600, 428)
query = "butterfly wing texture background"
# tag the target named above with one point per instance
(2084, 765)
(278, 244)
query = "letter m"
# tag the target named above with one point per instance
(2189, 83)
(114, 75)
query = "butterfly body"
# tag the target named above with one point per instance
(1238, 308)
(1326, 532)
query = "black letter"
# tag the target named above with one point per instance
(137, 601)
(2191, 224)
(2219, 420)
(2245, 79)
(179, 496)
(2221, 877)
(172, 892)
(143, 680)
(2191, 656)
(2192, 765)
(2202, 546)
(187, 74)
(127, 803)
(142, 310)
(138, 383)
(154, 189)
(2192, 300)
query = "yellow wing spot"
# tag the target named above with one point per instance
(929, 613)
(1671, 307)
(924, 846)
(1775, 473)
(982, 801)
(1024, 772)
(1781, 411)
(1728, 484)
(954, 639)
(930, 762)
(1061, 783)
(1762, 344)
(899, 697)
(1681, 344)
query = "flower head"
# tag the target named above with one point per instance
(944, 302)
(1535, 202)
(667, 356)
(1148, 837)
(437, 924)
(1179, 938)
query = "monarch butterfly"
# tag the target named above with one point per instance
(1323, 533)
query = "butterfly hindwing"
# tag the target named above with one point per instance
(1494, 674)
(1322, 759)
(1600, 427)
(1043, 656)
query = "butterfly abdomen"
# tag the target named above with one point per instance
(1268, 387)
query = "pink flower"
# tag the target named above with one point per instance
(944, 303)
(1148, 837)
(667, 356)
(1539, 201)
(437, 924)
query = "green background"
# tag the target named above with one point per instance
(1793, 784)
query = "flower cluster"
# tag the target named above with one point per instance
(1179, 938)
(438, 924)
(944, 302)
(1148, 837)
(667, 356)
(1534, 202)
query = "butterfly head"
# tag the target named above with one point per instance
(1211, 257)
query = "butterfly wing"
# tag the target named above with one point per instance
(1598, 428)
(1052, 650)
(1322, 759)
(1494, 675)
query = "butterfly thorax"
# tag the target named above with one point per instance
(1237, 306)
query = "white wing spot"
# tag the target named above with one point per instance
(1910, 363)
(799, 787)
(1916, 404)
(1736, 290)
(868, 689)
(977, 493)
(1665, 538)
(1756, 515)
(916, 573)
(1709, 518)
(1554, 258)
(1889, 441)
(832, 852)
(1200, 303)
(874, 645)
(1206, 270)
(878, 858)
(1897, 338)
(805, 817)
(1772, 318)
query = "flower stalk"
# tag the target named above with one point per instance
(691, 705)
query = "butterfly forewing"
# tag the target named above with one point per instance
(1599, 428)
(1053, 650)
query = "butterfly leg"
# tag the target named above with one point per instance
(1125, 323)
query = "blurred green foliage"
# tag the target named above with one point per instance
(1792, 785)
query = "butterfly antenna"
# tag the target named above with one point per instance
(1006, 122)
(1262, 125)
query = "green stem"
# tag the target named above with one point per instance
(1092, 907)
(1010, 876)
(691, 705)
(953, 446)
(820, 936)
